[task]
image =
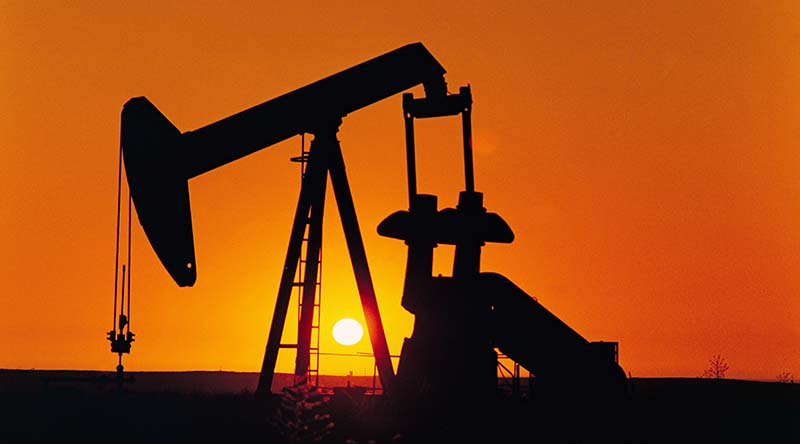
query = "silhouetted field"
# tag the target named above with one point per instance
(219, 407)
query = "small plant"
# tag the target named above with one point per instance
(785, 378)
(717, 368)
(303, 416)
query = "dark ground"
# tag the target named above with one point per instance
(670, 410)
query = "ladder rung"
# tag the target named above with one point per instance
(301, 283)
(287, 346)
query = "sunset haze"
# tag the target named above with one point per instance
(645, 154)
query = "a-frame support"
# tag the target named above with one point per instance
(325, 157)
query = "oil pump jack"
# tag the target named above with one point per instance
(459, 320)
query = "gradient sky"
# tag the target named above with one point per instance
(645, 153)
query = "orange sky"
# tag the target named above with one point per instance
(645, 155)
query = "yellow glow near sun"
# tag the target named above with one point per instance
(347, 331)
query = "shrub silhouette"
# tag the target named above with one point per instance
(785, 377)
(717, 368)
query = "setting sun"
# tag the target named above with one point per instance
(347, 331)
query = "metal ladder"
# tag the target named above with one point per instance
(299, 283)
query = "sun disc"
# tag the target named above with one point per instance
(347, 331)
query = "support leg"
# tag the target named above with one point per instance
(310, 188)
(358, 257)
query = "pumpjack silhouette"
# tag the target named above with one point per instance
(460, 320)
